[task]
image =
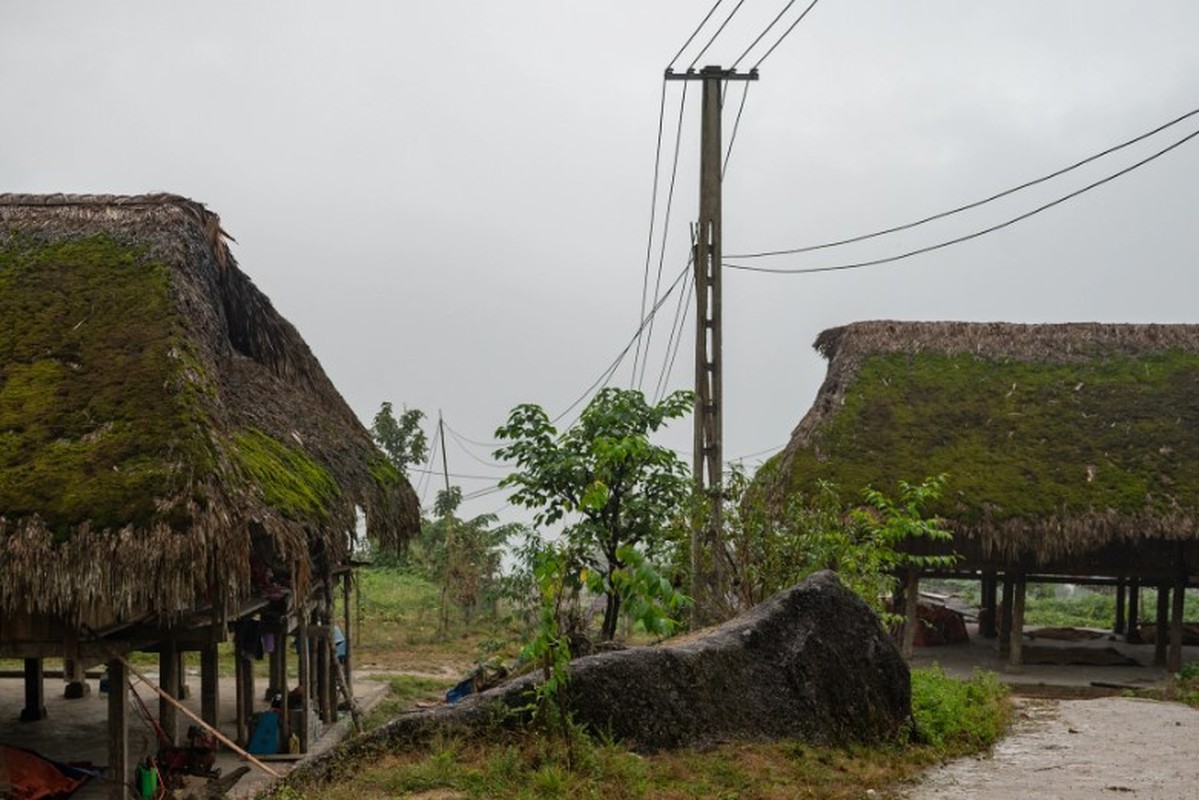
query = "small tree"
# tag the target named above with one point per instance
(402, 440)
(603, 477)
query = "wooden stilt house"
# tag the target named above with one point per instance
(174, 463)
(1072, 451)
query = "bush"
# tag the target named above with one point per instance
(955, 716)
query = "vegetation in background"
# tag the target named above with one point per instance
(402, 440)
(610, 486)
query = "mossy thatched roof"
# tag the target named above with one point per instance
(160, 423)
(1058, 440)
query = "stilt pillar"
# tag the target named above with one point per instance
(1121, 591)
(168, 681)
(210, 685)
(1174, 661)
(911, 612)
(987, 613)
(118, 775)
(1133, 626)
(73, 674)
(1005, 617)
(1016, 638)
(305, 664)
(35, 688)
(1161, 634)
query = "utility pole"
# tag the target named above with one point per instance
(708, 582)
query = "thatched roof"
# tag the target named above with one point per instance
(1057, 439)
(160, 423)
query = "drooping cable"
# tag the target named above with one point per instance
(974, 204)
(976, 234)
(754, 44)
(653, 210)
(673, 352)
(719, 30)
(736, 125)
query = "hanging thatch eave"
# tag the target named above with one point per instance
(1059, 440)
(161, 426)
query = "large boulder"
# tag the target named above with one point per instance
(811, 663)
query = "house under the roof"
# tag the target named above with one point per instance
(1072, 450)
(174, 463)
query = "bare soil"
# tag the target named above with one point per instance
(1075, 749)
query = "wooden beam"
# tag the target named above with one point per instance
(168, 679)
(1005, 620)
(911, 612)
(304, 655)
(1121, 591)
(210, 685)
(987, 616)
(1133, 629)
(1162, 628)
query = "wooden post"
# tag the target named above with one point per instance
(911, 613)
(1133, 624)
(247, 678)
(73, 673)
(1005, 621)
(323, 677)
(1174, 662)
(168, 680)
(987, 613)
(1119, 626)
(346, 582)
(210, 685)
(1162, 627)
(118, 775)
(305, 677)
(35, 687)
(1016, 640)
(239, 685)
(284, 708)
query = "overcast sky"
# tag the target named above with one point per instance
(451, 200)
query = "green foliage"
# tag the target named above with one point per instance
(402, 440)
(957, 717)
(101, 412)
(1017, 436)
(865, 545)
(288, 479)
(602, 478)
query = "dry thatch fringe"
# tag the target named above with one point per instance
(264, 376)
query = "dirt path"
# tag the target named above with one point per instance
(1075, 749)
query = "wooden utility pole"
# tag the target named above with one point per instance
(708, 583)
(449, 533)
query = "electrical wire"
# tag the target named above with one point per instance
(456, 474)
(754, 44)
(976, 234)
(606, 375)
(719, 30)
(462, 446)
(674, 171)
(695, 33)
(736, 125)
(476, 443)
(786, 33)
(976, 203)
(653, 211)
(423, 484)
(668, 367)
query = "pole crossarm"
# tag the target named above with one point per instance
(708, 72)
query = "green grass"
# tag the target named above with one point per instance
(952, 717)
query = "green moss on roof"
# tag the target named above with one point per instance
(99, 412)
(1018, 439)
(287, 478)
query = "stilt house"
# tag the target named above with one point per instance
(1072, 451)
(174, 463)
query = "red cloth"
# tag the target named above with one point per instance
(24, 775)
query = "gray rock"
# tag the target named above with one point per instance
(811, 663)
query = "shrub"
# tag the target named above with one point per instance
(955, 716)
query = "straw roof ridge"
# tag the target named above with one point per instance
(152, 364)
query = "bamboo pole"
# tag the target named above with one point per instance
(225, 740)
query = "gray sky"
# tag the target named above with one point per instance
(451, 199)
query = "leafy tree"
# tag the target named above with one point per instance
(602, 477)
(402, 440)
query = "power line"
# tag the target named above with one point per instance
(674, 171)
(606, 375)
(786, 33)
(476, 443)
(754, 44)
(456, 474)
(695, 32)
(976, 234)
(462, 446)
(653, 211)
(719, 30)
(973, 205)
(676, 331)
(736, 125)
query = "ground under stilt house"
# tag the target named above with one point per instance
(176, 469)
(1072, 454)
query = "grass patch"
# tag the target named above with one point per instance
(953, 717)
